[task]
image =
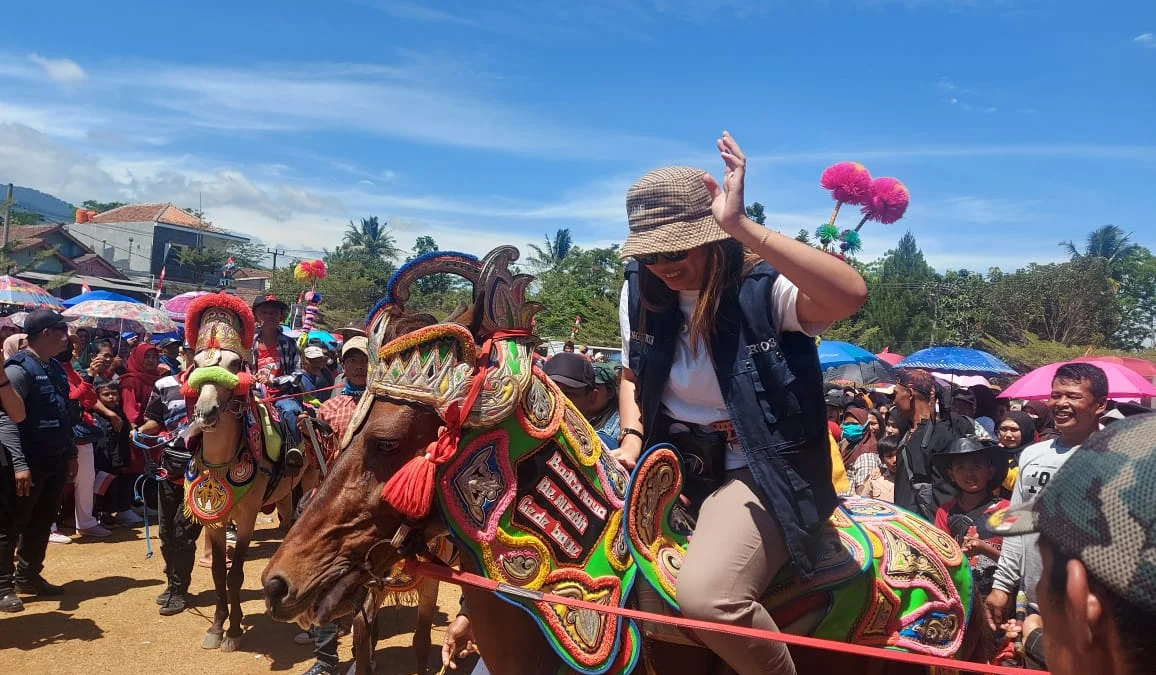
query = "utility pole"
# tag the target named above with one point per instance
(275, 252)
(7, 212)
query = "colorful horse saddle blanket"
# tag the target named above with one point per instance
(538, 502)
(885, 577)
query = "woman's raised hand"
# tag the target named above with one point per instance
(728, 202)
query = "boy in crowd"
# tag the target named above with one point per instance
(976, 468)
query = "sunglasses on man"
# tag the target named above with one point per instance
(652, 258)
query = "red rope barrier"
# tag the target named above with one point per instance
(442, 573)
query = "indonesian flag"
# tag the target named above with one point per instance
(160, 286)
(84, 287)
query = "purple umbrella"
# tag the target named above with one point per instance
(177, 306)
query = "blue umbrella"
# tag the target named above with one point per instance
(324, 336)
(834, 353)
(99, 295)
(957, 361)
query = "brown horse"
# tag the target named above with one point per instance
(349, 537)
(218, 411)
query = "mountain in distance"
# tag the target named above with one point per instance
(31, 200)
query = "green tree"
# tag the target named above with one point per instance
(757, 213)
(200, 261)
(1072, 303)
(586, 283)
(804, 236)
(101, 207)
(899, 300)
(963, 305)
(1108, 242)
(555, 251)
(19, 218)
(438, 294)
(371, 237)
(248, 255)
(1137, 298)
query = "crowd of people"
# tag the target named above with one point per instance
(1051, 501)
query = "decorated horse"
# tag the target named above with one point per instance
(459, 433)
(237, 469)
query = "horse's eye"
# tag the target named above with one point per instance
(386, 445)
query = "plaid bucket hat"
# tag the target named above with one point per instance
(1100, 508)
(669, 210)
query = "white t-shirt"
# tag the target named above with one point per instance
(692, 392)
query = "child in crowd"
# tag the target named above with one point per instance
(880, 483)
(977, 469)
(114, 481)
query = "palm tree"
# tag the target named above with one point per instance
(372, 238)
(1108, 242)
(555, 251)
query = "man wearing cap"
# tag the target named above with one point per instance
(43, 460)
(592, 388)
(337, 413)
(278, 364)
(1079, 397)
(316, 380)
(1095, 522)
(170, 349)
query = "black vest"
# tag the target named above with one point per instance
(772, 386)
(47, 425)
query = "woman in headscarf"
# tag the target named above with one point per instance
(1041, 414)
(136, 385)
(13, 344)
(1016, 432)
(858, 447)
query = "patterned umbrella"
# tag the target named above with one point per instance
(15, 291)
(957, 361)
(176, 306)
(119, 317)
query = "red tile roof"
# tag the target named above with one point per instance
(252, 273)
(150, 213)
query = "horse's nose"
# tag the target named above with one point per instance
(276, 591)
(208, 414)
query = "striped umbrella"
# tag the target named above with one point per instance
(119, 317)
(15, 291)
(178, 305)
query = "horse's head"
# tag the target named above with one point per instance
(220, 328)
(349, 536)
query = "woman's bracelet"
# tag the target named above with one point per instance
(627, 431)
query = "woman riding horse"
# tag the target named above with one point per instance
(718, 320)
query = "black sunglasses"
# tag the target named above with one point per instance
(652, 258)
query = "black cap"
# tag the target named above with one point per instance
(43, 319)
(270, 300)
(965, 395)
(168, 342)
(572, 370)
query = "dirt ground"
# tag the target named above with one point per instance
(107, 622)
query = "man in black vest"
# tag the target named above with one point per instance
(42, 457)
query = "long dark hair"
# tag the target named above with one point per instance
(726, 263)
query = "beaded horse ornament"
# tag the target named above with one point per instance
(885, 578)
(527, 488)
(214, 324)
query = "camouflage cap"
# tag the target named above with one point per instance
(1100, 508)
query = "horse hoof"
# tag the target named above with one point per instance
(230, 644)
(212, 641)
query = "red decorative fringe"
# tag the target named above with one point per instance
(411, 490)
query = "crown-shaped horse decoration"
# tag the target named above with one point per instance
(217, 323)
(443, 366)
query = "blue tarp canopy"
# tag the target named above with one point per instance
(99, 295)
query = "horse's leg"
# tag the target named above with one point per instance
(427, 607)
(245, 517)
(216, 537)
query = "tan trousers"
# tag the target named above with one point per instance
(736, 551)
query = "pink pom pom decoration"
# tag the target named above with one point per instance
(849, 182)
(888, 202)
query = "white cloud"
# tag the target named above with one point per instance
(991, 109)
(61, 71)
(1145, 40)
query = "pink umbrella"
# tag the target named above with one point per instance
(1142, 367)
(177, 306)
(1122, 383)
(889, 357)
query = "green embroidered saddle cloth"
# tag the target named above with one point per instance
(538, 503)
(885, 577)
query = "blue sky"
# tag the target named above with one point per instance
(1014, 123)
